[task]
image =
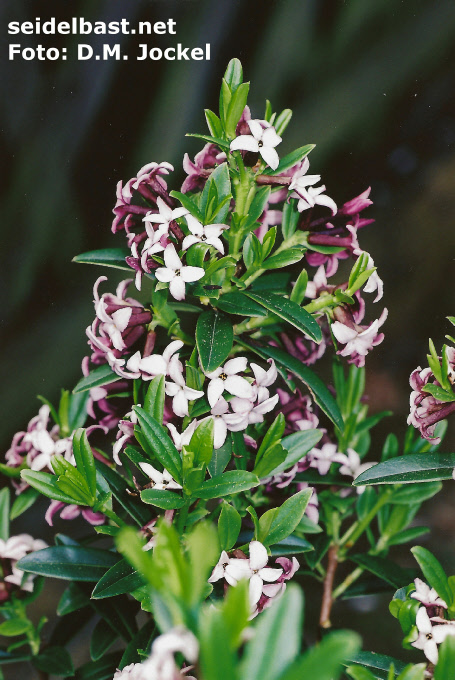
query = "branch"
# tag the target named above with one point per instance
(327, 595)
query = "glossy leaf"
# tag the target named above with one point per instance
(291, 312)
(23, 502)
(85, 461)
(433, 572)
(167, 500)
(74, 563)
(117, 484)
(239, 303)
(119, 579)
(390, 572)
(107, 257)
(102, 375)
(161, 444)
(288, 517)
(214, 338)
(229, 524)
(446, 663)
(420, 467)
(54, 661)
(291, 159)
(220, 459)
(154, 398)
(325, 661)
(103, 669)
(378, 664)
(201, 443)
(102, 638)
(47, 485)
(228, 483)
(291, 545)
(297, 446)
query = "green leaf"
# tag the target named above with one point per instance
(107, 257)
(325, 661)
(297, 445)
(220, 458)
(288, 517)
(433, 572)
(154, 399)
(167, 500)
(54, 661)
(119, 579)
(102, 375)
(213, 123)
(290, 312)
(103, 637)
(140, 641)
(416, 493)
(85, 461)
(216, 658)
(74, 563)
(299, 289)
(4, 513)
(419, 467)
(228, 483)
(201, 443)
(439, 393)
(234, 74)
(14, 627)
(384, 568)
(272, 458)
(283, 259)
(119, 487)
(359, 673)
(239, 303)
(213, 140)
(47, 485)
(23, 502)
(291, 159)
(317, 387)
(235, 108)
(229, 524)
(189, 203)
(278, 632)
(103, 669)
(77, 410)
(292, 545)
(283, 121)
(408, 535)
(446, 662)
(214, 338)
(72, 599)
(162, 445)
(379, 664)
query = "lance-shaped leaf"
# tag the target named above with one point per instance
(85, 461)
(54, 661)
(286, 518)
(107, 257)
(47, 485)
(228, 483)
(446, 662)
(167, 500)
(201, 443)
(154, 398)
(291, 159)
(214, 338)
(117, 484)
(297, 445)
(121, 578)
(291, 312)
(385, 569)
(316, 386)
(229, 524)
(239, 303)
(73, 563)
(102, 375)
(433, 572)
(378, 664)
(161, 444)
(419, 467)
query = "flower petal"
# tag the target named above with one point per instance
(270, 156)
(177, 288)
(164, 275)
(171, 258)
(258, 555)
(190, 274)
(245, 143)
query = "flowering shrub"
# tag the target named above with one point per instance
(213, 465)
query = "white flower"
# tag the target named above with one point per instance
(248, 412)
(176, 274)
(263, 140)
(221, 418)
(301, 181)
(264, 379)
(179, 390)
(430, 636)
(319, 281)
(14, 548)
(311, 196)
(358, 341)
(161, 480)
(257, 571)
(164, 217)
(353, 467)
(209, 234)
(226, 378)
(155, 364)
(322, 459)
(426, 595)
(181, 440)
(219, 571)
(161, 664)
(45, 444)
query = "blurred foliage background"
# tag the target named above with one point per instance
(370, 81)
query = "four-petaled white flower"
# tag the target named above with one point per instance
(322, 459)
(164, 217)
(181, 440)
(358, 341)
(155, 364)
(301, 181)
(255, 569)
(263, 379)
(219, 571)
(426, 595)
(161, 480)
(249, 412)
(312, 196)
(222, 421)
(226, 378)
(430, 636)
(209, 234)
(179, 390)
(176, 274)
(263, 140)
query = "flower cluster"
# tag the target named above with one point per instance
(265, 583)
(432, 627)
(11, 551)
